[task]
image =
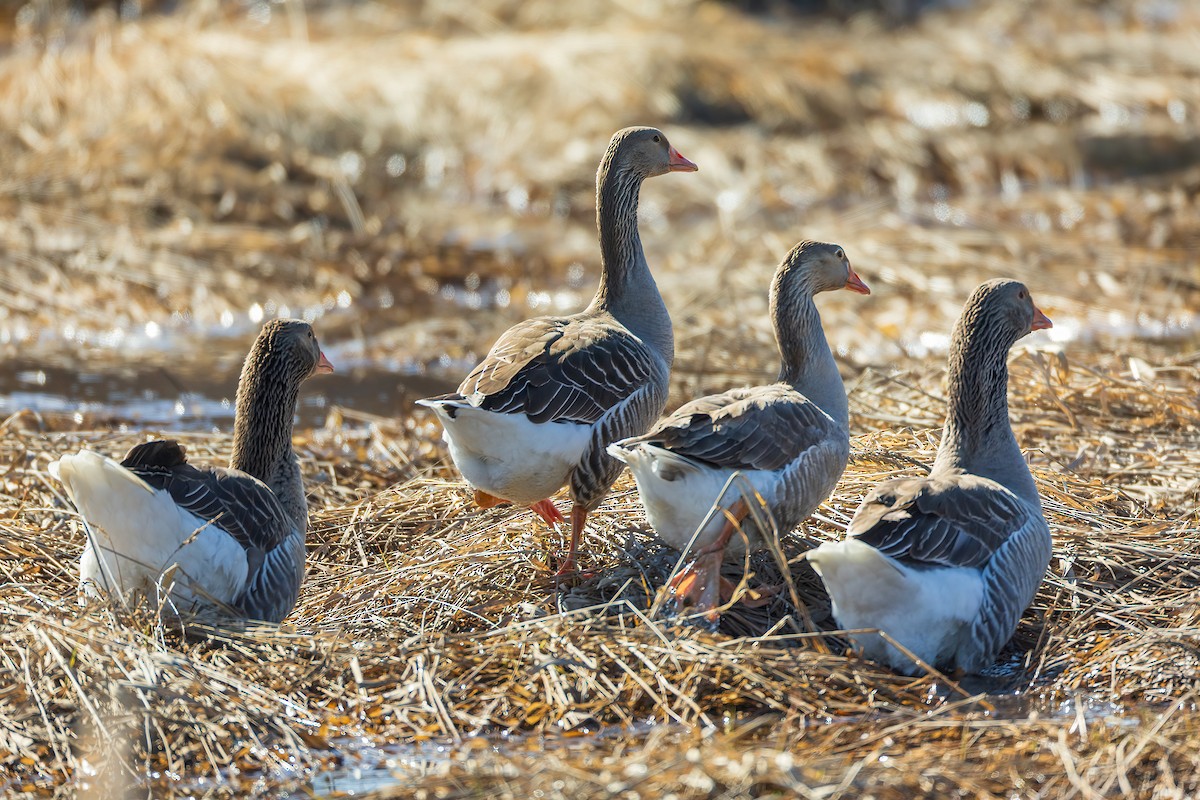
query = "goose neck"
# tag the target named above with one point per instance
(978, 437)
(622, 260)
(627, 288)
(806, 362)
(262, 433)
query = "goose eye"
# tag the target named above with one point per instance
(840, 254)
(1021, 294)
(657, 138)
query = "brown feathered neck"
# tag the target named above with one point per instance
(267, 393)
(618, 187)
(806, 362)
(978, 437)
(627, 289)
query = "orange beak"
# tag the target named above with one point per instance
(855, 283)
(1040, 320)
(677, 163)
(324, 367)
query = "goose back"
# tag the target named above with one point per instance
(246, 509)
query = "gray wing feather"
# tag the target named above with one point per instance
(567, 369)
(810, 478)
(948, 521)
(763, 427)
(239, 504)
(596, 471)
(242, 506)
(1010, 580)
(274, 588)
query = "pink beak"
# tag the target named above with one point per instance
(1040, 320)
(677, 163)
(855, 283)
(324, 367)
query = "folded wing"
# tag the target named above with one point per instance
(538, 370)
(758, 428)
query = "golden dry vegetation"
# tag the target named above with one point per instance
(415, 177)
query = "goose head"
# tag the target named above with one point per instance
(645, 153)
(812, 267)
(288, 349)
(1002, 310)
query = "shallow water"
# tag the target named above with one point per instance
(187, 382)
(198, 396)
(365, 768)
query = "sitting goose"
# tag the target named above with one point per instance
(789, 439)
(946, 564)
(539, 410)
(237, 534)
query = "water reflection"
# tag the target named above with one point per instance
(368, 768)
(195, 396)
(162, 378)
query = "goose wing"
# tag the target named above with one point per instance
(958, 520)
(272, 590)
(964, 521)
(560, 369)
(759, 428)
(239, 504)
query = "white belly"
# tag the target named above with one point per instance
(927, 611)
(209, 566)
(510, 457)
(678, 496)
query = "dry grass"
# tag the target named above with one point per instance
(179, 168)
(425, 619)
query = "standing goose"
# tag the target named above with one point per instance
(236, 534)
(789, 439)
(540, 409)
(946, 564)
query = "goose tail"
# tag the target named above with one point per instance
(649, 461)
(136, 533)
(926, 610)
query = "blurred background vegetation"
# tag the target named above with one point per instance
(414, 176)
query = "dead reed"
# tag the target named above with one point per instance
(168, 170)
(188, 166)
(425, 619)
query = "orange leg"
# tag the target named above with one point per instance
(578, 520)
(543, 508)
(700, 586)
(552, 517)
(700, 583)
(548, 512)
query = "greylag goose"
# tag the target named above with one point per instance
(946, 564)
(236, 535)
(789, 439)
(540, 409)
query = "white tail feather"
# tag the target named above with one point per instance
(926, 610)
(137, 533)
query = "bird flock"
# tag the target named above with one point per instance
(933, 571)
